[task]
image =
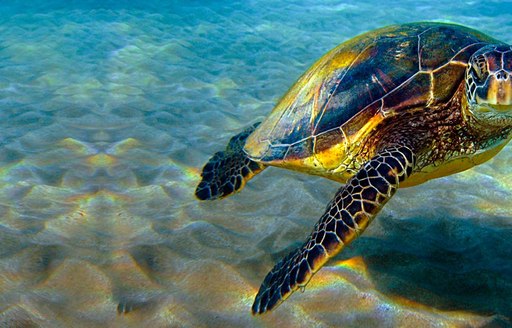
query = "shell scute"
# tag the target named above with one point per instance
(442, 88)
(361, 119)
(300, 149)
(411, 94)
(325, 140)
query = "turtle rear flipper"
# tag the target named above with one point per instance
(228, 171)
(348, 214)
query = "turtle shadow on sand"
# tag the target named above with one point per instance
(448, 263)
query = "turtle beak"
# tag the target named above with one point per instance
(499, 92)
(500, 89)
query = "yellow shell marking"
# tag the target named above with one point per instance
(331, 158)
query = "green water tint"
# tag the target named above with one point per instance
(107, 113)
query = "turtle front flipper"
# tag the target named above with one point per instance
(228, 171)
(346, 216)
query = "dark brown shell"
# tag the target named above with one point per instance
(385, 71)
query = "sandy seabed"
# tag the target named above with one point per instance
(107, 114)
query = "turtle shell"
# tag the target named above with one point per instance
(356, 85)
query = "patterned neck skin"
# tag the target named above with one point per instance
(487, 123)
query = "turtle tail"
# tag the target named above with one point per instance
(228, 171)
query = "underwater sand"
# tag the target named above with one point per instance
(109, 110)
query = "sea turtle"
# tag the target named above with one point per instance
(390, 108)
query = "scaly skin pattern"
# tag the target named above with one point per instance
(346, 216)
(228, 171)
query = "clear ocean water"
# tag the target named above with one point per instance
(108, 111)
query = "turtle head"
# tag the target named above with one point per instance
(489, 85)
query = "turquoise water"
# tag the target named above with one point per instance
(108, 112)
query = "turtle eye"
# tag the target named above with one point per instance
(479, 68)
